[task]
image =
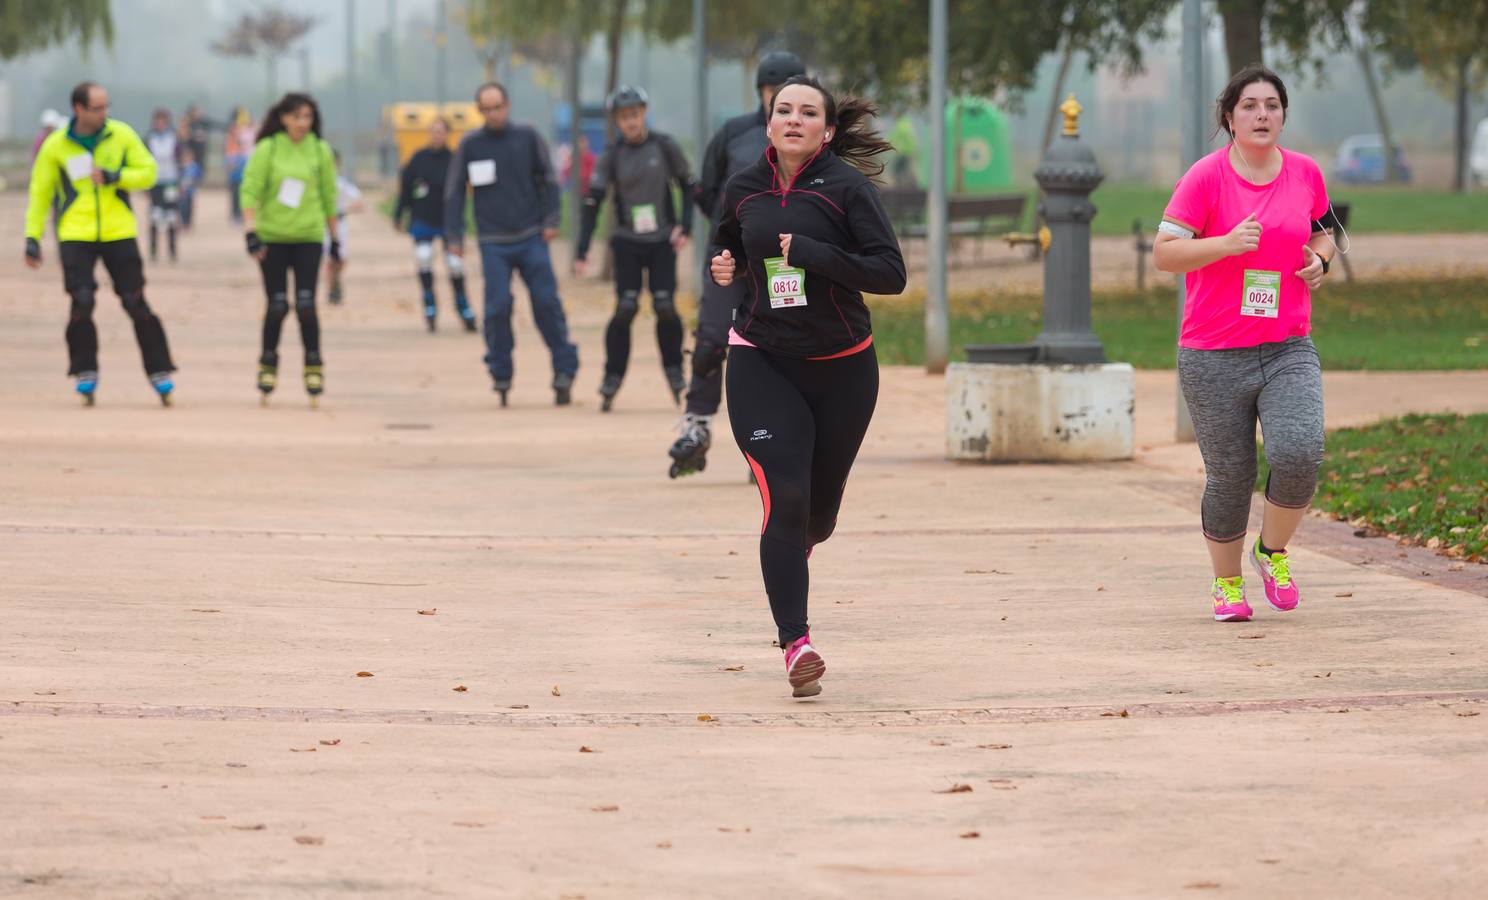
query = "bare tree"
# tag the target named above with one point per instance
(269, 34)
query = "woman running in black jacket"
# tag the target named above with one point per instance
(804, 228)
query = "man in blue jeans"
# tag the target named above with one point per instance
(507, 168)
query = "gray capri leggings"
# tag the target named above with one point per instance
(1227, 390)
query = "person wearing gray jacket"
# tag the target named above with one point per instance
(507, 169)
(647, 231)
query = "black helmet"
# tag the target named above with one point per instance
(625, 97)
(777, 67)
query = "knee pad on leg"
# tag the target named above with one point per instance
(707, 357)
(278, 304)
(83, 302)
(629, 305)
(135, 305)
(423, 256)
(455, 264)
(666, 304)
(304, 301)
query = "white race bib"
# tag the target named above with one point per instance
(1262, 294)
(643, 218)
(291, 192)
(787, 283)
(482, 172)
(172, 193)
(80, 166)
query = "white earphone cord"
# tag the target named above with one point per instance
(1341, 230)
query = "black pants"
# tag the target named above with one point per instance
(304, 260)
(710, 343)
(127, 271)
(659, 261)
(800, 423)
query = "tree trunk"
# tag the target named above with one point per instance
(271, 67)
(612, 44)
(1242, 24)
(1372, 85)
(1459, 144)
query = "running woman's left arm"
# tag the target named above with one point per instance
(874, 265)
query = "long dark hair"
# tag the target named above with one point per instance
(1229, 98)
(273, 119)
(852, 117)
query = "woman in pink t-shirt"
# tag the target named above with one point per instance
(1245, 228)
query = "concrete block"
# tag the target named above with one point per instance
(1039, 413)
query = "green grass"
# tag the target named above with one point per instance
(1395, 325)
(1373, 209)
(1420, 479)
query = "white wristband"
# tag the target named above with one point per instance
(1177, 231)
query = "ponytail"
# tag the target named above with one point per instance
(852, 120)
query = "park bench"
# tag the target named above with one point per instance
(966, 217)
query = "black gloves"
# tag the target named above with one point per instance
(33, 249)
(335, 250)
(254, 244)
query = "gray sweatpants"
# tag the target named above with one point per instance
(1280, 384)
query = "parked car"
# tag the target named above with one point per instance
(1478, 157)
(1361, 160)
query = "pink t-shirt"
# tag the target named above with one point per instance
(1256, 297)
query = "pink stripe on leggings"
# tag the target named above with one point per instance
(764, 487)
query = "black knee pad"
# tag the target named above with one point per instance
(707, 357)
(83, 302)
(666, 304)
(628, 305)
(304, 301)
(278, 305)
(135, 305)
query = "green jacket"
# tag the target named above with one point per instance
(62, 176)
(283, 218)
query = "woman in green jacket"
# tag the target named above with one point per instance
(289, 200)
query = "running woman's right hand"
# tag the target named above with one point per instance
(1244, 237)
(255, 246)
(723, 269)
(33, 253)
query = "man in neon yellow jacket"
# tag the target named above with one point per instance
(84, 172)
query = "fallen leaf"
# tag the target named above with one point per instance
(587, 749)
(364, 674)
(46, 877)
(207, 610)
(330, 743)
(428, 612)
(309, 841)
(519, 706)
(1101, 588)
(985, 572)
(971, 834)
(45, 693)
(1456, 567)
(213, 818)
(301, 749)
(1344, 594)
(955, 789)
(1203, 886)
(1343, 710)
(732, 830)
(1180, 691)
(994, 746)
(459, 688)
(664, 845)
(706, 718)
(237, 765)
(1469, 714)
(732, 669)
(604, 808)
(469, 824)
(258, 827)
(940, 743)
(1325, 675)
(1250, 637)
(733, 553)
(555, 692)
(1117, 715)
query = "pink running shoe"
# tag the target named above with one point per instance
(1229, 600)
(804, 667)
(1276, 573)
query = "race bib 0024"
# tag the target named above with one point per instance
(787, 284)
(1262, 295)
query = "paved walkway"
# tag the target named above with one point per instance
(189, 596)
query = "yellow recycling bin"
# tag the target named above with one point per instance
(410, 124)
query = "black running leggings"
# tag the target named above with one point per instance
(659, 261)
(800, 423)
(304, 260)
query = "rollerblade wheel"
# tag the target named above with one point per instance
(89, 399)
(605, 402)
(562, 396)
(165, 399)
(503, 398)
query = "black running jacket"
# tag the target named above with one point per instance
(840, 236)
